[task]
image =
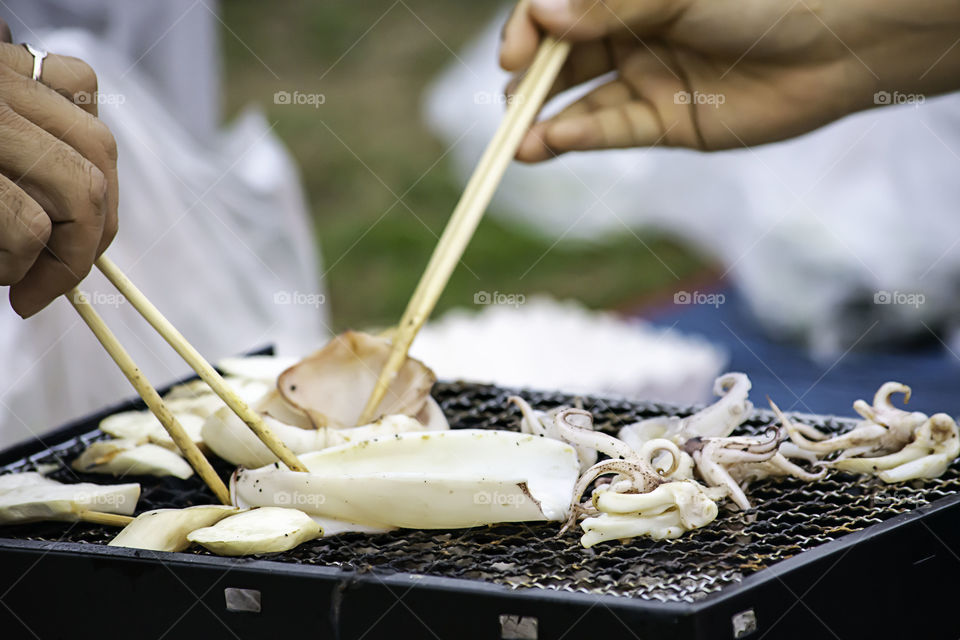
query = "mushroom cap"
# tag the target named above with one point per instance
(332, 385)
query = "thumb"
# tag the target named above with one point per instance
(588, 19)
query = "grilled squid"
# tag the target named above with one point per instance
(894, 444)
(884, 429)
(935, 444)
(716, 420)
(715, 459)
(668, 511)
(544, 423)
(434, 480)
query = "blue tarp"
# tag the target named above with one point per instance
(797, 382)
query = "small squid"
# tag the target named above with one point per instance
(716, 458)
(884, 429)
(635, 473)
(935, 445)
(716, 420)
(543, 423)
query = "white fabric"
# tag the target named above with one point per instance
(216, 235)
(173, 45)
(810, 228)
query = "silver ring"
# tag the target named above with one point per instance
(38, 56)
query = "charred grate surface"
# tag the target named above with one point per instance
(791, 517)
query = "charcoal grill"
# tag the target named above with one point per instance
(844, 557)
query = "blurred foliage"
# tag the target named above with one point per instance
(367, 144)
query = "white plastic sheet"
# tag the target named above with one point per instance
(216, 235)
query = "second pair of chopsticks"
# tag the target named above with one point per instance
(192, 357)
(522, 109)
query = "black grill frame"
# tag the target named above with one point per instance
(800, 596)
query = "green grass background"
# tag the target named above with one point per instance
(372, 60)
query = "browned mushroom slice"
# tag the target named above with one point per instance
(332, 385)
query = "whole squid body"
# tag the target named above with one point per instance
(436, 480)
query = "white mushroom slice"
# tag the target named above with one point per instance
(263, 368)
(332, 385)
(200, 406)
(143, 426)
(668, 511)
(431, 416)
(33, 498)
(717, 420)
(435, 480)
(936, 444)
(265, 530)
(250, 391)
(274, 406)
(167, 529)
(127, 457)
(230, 438)
(190, 389)
(226, 435)
(26, 479)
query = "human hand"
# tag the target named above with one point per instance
(58, 177)
(719, 74)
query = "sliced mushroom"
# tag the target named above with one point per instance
(263, 368)
(128, 457)
(227, 436)
(31, 497)
(143, 426)
(167, 529)
(332, 385)
(265, 530)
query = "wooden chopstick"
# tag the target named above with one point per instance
(150, 396)
(197, 362)
(100, 517)
(521, 111)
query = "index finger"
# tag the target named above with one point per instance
(519, 38)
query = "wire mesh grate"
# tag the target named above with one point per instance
(791, 516)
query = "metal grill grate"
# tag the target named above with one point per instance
(791, 517)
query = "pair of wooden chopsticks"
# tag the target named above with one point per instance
(521, 111)
(150, 396)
